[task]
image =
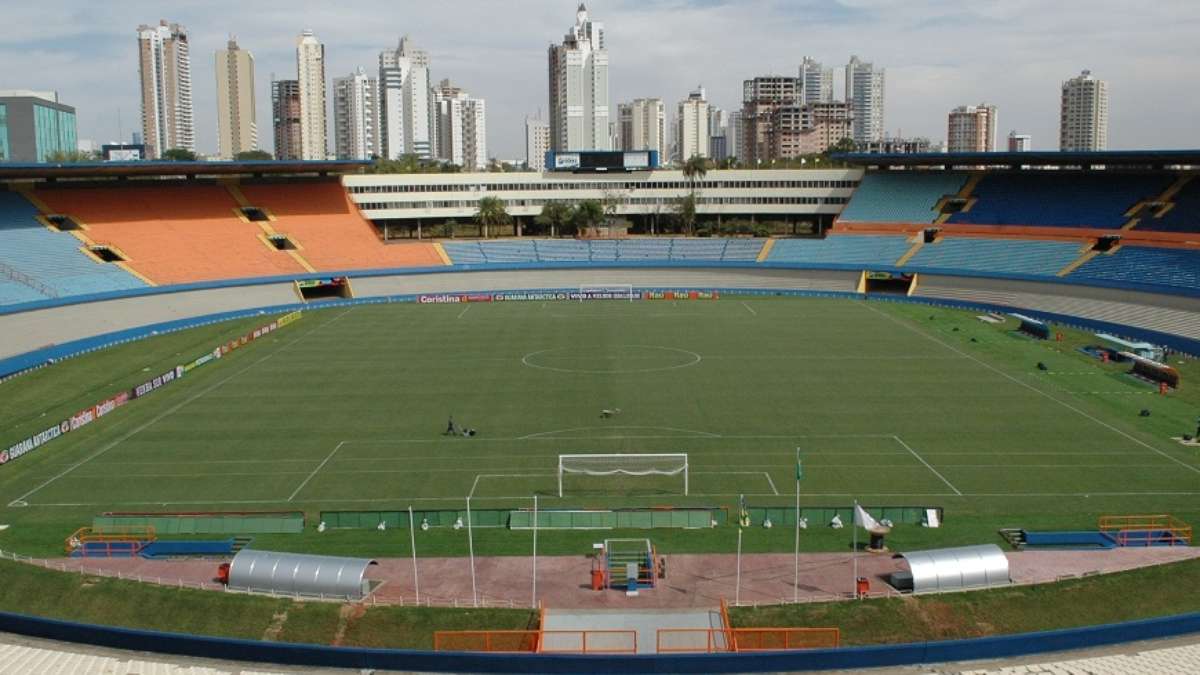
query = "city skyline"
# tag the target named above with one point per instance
(937, 56)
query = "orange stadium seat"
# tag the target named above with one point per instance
(332, 233)
(173, 234)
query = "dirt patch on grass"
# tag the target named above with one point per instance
(276, 626)
(348, 615)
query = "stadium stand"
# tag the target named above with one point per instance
(320, 218)
(1175, 267)
(901, 196)
(173, 233)
(1059, 199)
(1183, 214)
(625, 250)
(37, 263)
(847, 249)
(1000, 256)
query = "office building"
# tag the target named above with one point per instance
(808, 128)
(971, 128)
(579, 112)
(355, 116)
(1083, 120)
(165, 68)
(35, 126)
(1019, 142)
(310, 73)
(865, 94)
(237, 125)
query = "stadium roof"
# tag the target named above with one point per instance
(1134, 159)
(16, 171)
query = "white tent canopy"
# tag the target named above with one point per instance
(952, 569)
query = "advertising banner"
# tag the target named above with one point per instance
(34, 442)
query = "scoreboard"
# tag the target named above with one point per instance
(580, 161)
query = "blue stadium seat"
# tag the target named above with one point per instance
(1184, 216)
(901, 196)
(742, 250)
(1011, 256)
(1065, 199)
(1145, 265)
(848, 249)
(519, 251)
(562, 250)
(464, 252)
(51, 258)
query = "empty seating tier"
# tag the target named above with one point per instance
(1059, 199)
(1183, 216)
(331, 232)
(37, 263)
(998, 256)
(846, 249)
(173, 233)
(901, 196)
(603, 250)
(1145, 265)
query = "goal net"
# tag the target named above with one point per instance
(606, 292)
(623, 464)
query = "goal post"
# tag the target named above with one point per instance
(624, 464)
(606, 292)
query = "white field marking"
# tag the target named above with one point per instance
(927, 465)
(773, 488)
(807, 357)
(1034, 389)
(566, 431)
(460, 314)
(696, 358)
(173, 409)
(505, 475)
(314, 471)
(749, 308)
(400, 499)
(541, 437)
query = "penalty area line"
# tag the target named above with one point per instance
(471, 494)
(314, 471)
(749, 308)
(927, 465)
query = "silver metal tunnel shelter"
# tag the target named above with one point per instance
(951, 569)
(299, 574)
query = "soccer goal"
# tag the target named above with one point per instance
(606, 292)
(624, 464)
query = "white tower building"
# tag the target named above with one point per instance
(865, 94)
(1083, 121)
(406, 109)
(355, 116)
(310, 74)
(579, 114)
(165, 67)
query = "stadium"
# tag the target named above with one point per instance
(299, 413)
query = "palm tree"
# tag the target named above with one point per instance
(694, 170)
(554, 215)
(491, 213)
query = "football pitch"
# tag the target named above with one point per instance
(885, 403)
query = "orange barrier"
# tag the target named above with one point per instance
(98, 538)
(539, 641)
(172, 233)
(712, 640)
(1132, 529)
(320, 218)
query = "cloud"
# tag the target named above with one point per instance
(938, 54)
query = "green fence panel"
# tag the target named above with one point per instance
(819, 516)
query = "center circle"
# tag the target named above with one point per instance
(612, 359)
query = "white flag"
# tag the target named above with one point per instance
(864, 519)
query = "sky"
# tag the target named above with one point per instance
(938, 54)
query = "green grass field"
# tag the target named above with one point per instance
(888, 404)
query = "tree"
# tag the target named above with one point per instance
(694, 170)
(253, 156)
(70, 157)
(179, 155)
(556, 216)
(846, 144)
(685, 210)
(588, 214)
(491, 214)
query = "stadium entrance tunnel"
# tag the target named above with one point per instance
(611, 359)
(281, 242)
(887, 283)
(60, 222)
(255, 214)
(333, 288)
(106, 254)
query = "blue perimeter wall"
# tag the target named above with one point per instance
(47, 355)
(847, 658)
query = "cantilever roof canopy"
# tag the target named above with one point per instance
(299, 574)
(20, 171)
(1037, 159)
(952, 569)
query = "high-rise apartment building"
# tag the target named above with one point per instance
(816, 82)
(285, 115)
(643, 126)
(237, 125)
(865, 94)
(761, 97)
(809, 128)
(718, 129)
(537, 143)
(405, 103)
(1083, 121)
(310, 73)
(971, 128)
(733, 136)
(461, 127)
(35, 126)
(165, 66)
(579, 113)
(692, 126)
(1019, 142)
(355, 116)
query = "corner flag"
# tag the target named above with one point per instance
(864, 519)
